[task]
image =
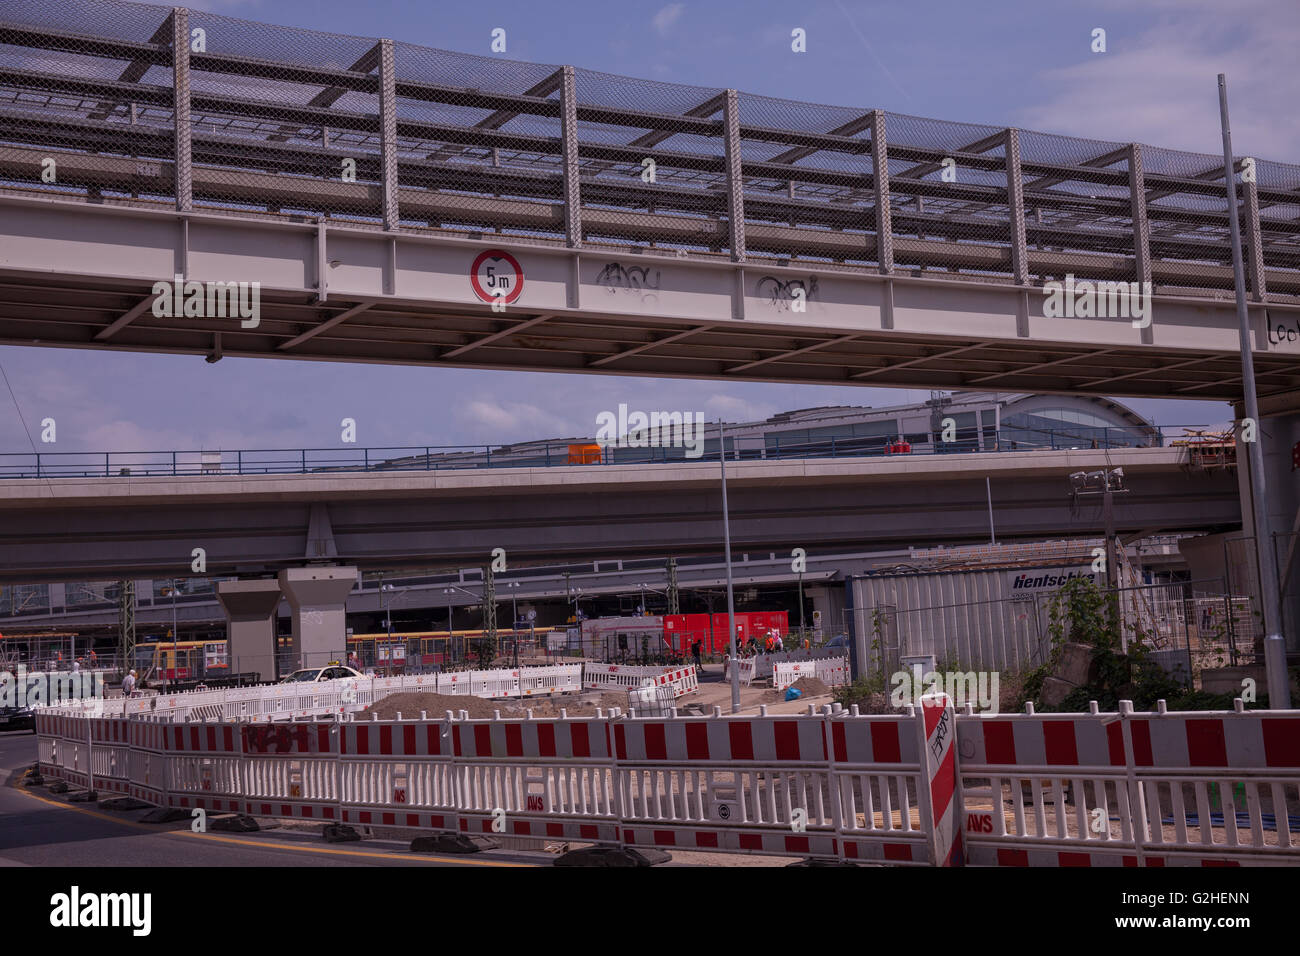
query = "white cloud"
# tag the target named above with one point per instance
(666, 17)
(515, 421)
(1159, 87)
(735, 409)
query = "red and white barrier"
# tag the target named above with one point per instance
(929, 787)
(833, 672)
(684, 679)
(940, 796)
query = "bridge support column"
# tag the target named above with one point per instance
(250, 625)
(318, 596)
(1280, 435)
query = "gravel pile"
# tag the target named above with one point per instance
(807, 686)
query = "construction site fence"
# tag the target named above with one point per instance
(683, 679)
(833, 672)
(1197, 623)
(309, 699)
(927, 786)
(762, 666)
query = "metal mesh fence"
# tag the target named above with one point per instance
(1203, 622)
(201, 110)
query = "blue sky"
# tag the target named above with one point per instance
(1024, 64)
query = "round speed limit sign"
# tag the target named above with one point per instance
(496, 274)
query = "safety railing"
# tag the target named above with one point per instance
(762, 666)
(330, 461)
(928, 786)
(833, 672)
(682, 679)
(298, 700)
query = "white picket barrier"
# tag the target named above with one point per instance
(607, 676)
(930, 786)
(684, 679)
(748, 669)
(307, 699)
(785, 674)
(833, 672)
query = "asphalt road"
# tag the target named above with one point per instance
(38, 828)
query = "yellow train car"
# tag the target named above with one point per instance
(181, 660)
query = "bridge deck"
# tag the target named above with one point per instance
(360, 196)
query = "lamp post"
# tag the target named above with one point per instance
(1279, 684)
(731, 594)
(167, 679)
(514, 618)
(450, 636)
(449, 592)
(385, 590)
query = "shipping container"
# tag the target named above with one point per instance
(992, 619)
(682, 630)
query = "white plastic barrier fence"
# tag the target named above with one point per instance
(1130, 789)
(683, 679)
(761, 666)
(833, 672)
(299, 700)
(929, 786)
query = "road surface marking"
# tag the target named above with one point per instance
(269, 844)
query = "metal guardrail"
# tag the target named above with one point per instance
(325, 461)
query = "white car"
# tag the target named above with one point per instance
(312, 674)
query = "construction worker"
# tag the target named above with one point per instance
(128, 685)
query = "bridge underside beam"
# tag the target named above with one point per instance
(406, 299)
(404, 519)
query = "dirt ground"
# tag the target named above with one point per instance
(808, 687)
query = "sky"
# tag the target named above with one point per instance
(1026, 64)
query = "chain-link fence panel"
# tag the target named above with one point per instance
(284, 121)
(479, 143)
(86, 100)
(123, 102)
(950, 207)
(652, 164)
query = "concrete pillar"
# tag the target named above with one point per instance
(250, 625)
(1282, 436)
(318, 598)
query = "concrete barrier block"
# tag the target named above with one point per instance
(1075, 664)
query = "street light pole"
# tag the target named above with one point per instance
(1279, 686)
(731, 595)
(450, 636)
(175, 638)
(514, 618)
